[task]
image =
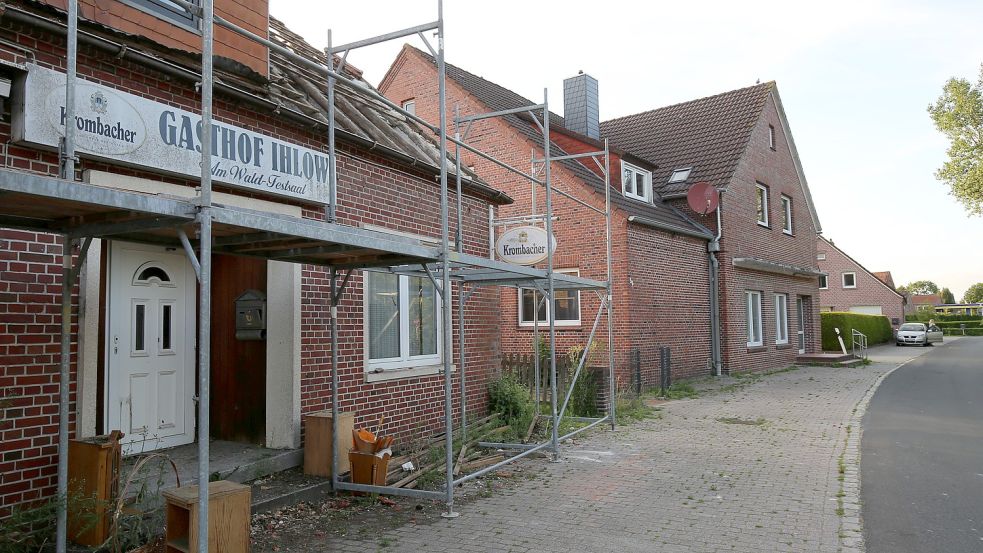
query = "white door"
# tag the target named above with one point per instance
(150, 347)
(801, 334)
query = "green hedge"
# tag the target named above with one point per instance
(876, 327)
(956, 324)
(974, 331)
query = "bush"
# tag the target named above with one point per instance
(876, 327)
(924, 316)
(510, 398)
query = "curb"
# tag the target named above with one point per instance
(851, 531)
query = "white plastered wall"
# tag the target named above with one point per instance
(283, 318)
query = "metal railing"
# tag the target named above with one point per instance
(859, 340)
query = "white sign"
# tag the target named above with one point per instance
(523, 245)
(136, 131)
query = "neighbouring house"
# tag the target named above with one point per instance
(134, 311)
(848, 286)
(960, 309)
(922, 302)
(741, 143)
(661, 263)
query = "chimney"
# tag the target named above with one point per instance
(580, 105)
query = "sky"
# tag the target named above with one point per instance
(855, 78)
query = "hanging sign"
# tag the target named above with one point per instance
(523, 245)
(136, 131)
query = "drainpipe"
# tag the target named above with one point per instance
(712, 248)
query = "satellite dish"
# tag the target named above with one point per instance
(703, 198)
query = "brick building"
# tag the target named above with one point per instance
(661, 266)
(741, 143)
(848, 286)
(134, 311)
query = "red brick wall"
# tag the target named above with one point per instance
(580, 238)
(869, 290)
(372, 190)
(252, 15)
(743, 237)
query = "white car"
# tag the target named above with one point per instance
(918, 334)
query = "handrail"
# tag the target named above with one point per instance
(859, 338)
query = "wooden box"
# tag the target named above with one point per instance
(318, 442)
(368, 468)
(93, 476)
(228, 518)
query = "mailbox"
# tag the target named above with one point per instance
(251, 315)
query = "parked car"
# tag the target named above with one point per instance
(918, 334)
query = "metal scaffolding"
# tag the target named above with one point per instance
(67, 207)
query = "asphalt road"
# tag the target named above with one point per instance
(922, 455)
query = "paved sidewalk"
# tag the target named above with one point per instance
(750, 467)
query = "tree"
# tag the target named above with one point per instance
(920, 287)
(958, 114)
(974, 294)
(947, 296)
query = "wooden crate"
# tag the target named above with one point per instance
(228, 518)
(93, 476)
(318, 442)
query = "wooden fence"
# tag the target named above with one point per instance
(522, 365)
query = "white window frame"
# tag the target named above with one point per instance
(787, 211)
(843, 279)
(169, 12)
(755, 334)
(821, 256)
(823, 282)
(771, 136)
(781, 319)
(404, 365)
(410, 105)
(761, 188)
(549, 307)
(647, 195)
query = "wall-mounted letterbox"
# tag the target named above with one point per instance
(251, 315)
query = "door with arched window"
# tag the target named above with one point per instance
(150, 347)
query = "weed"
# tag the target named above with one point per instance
(736, 420)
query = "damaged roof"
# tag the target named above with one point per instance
(708, 134)
(357, 113)
(497, 97)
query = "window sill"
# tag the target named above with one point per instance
(559, 326)
(849, 287)
(783, 346)
(787, 233)
(756, 349)
(382, 375)
(764, 225)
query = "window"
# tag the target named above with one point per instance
(762, 204)
(680, 175)
(566, 305)
(636, 183)
(402, 321)
(823, 284)
(754, 319)
(821, 256)
(410, 106)
(168, 11)
(781, 318)
(786, 214)
(771, 137)
(849, 280)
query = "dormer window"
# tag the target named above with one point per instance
(680, 175)
(636, 182)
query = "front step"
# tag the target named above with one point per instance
(828, 360)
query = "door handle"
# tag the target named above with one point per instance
(115, 344)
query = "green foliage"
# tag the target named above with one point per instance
(682, 390)
(583, 400)
(947, 296)
(927, 315)
(31, 527)
(974, 294)
(876, 327)
(958, 114)
(920, 287)
(510, 398)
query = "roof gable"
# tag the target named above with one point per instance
(497, 98)
(823, 241)
(709, 134)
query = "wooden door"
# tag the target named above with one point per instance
(238, 375)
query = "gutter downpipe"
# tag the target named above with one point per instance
(714, 280)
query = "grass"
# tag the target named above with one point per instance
(682, 390)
